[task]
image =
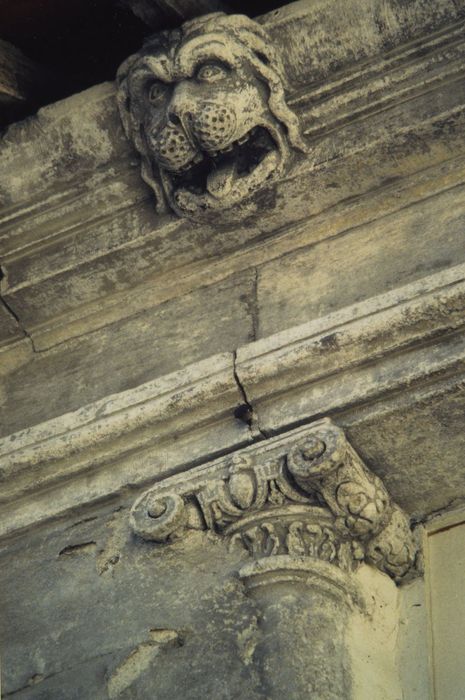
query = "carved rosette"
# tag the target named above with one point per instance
(307, 497)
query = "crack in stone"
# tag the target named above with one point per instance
(247, 414)
(254, 305)
(77, 548)
(34, 680)
(251, 304)
(450, 506)
(16, 318)
(111, 552)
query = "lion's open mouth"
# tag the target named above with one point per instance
(227, 171)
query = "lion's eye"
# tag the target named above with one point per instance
(211, 72)
(156, 92)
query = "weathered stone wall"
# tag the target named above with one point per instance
(89, 611)
(137, 345)
(90, 269)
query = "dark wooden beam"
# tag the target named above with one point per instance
(23, 83)
(157, 13)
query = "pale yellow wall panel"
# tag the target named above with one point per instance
(446, 573)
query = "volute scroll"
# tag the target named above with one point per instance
(307, 494)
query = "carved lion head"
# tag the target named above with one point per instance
(204, 106)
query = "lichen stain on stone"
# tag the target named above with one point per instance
(140, 660)
(247, 640)
(82, 113)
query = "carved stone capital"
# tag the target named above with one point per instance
(204, 107)
(326, 464)
(305, 497)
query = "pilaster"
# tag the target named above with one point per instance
(307, 511)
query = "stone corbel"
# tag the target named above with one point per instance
(308, 511)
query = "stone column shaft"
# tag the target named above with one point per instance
(301, 653)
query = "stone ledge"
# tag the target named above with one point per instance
(370, 349)
(90, 454)
(340, 365)
(364, 30)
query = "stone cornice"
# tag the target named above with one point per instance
(89, 455)
(306, 494)
(383, 81)
(360, 116)
(342, 362)
(389, 343)
(304, 27)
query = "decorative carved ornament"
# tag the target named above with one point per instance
(306, 497)
(204, 106)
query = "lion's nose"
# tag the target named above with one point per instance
(180, 107)
(214, 125)
(180, 119)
